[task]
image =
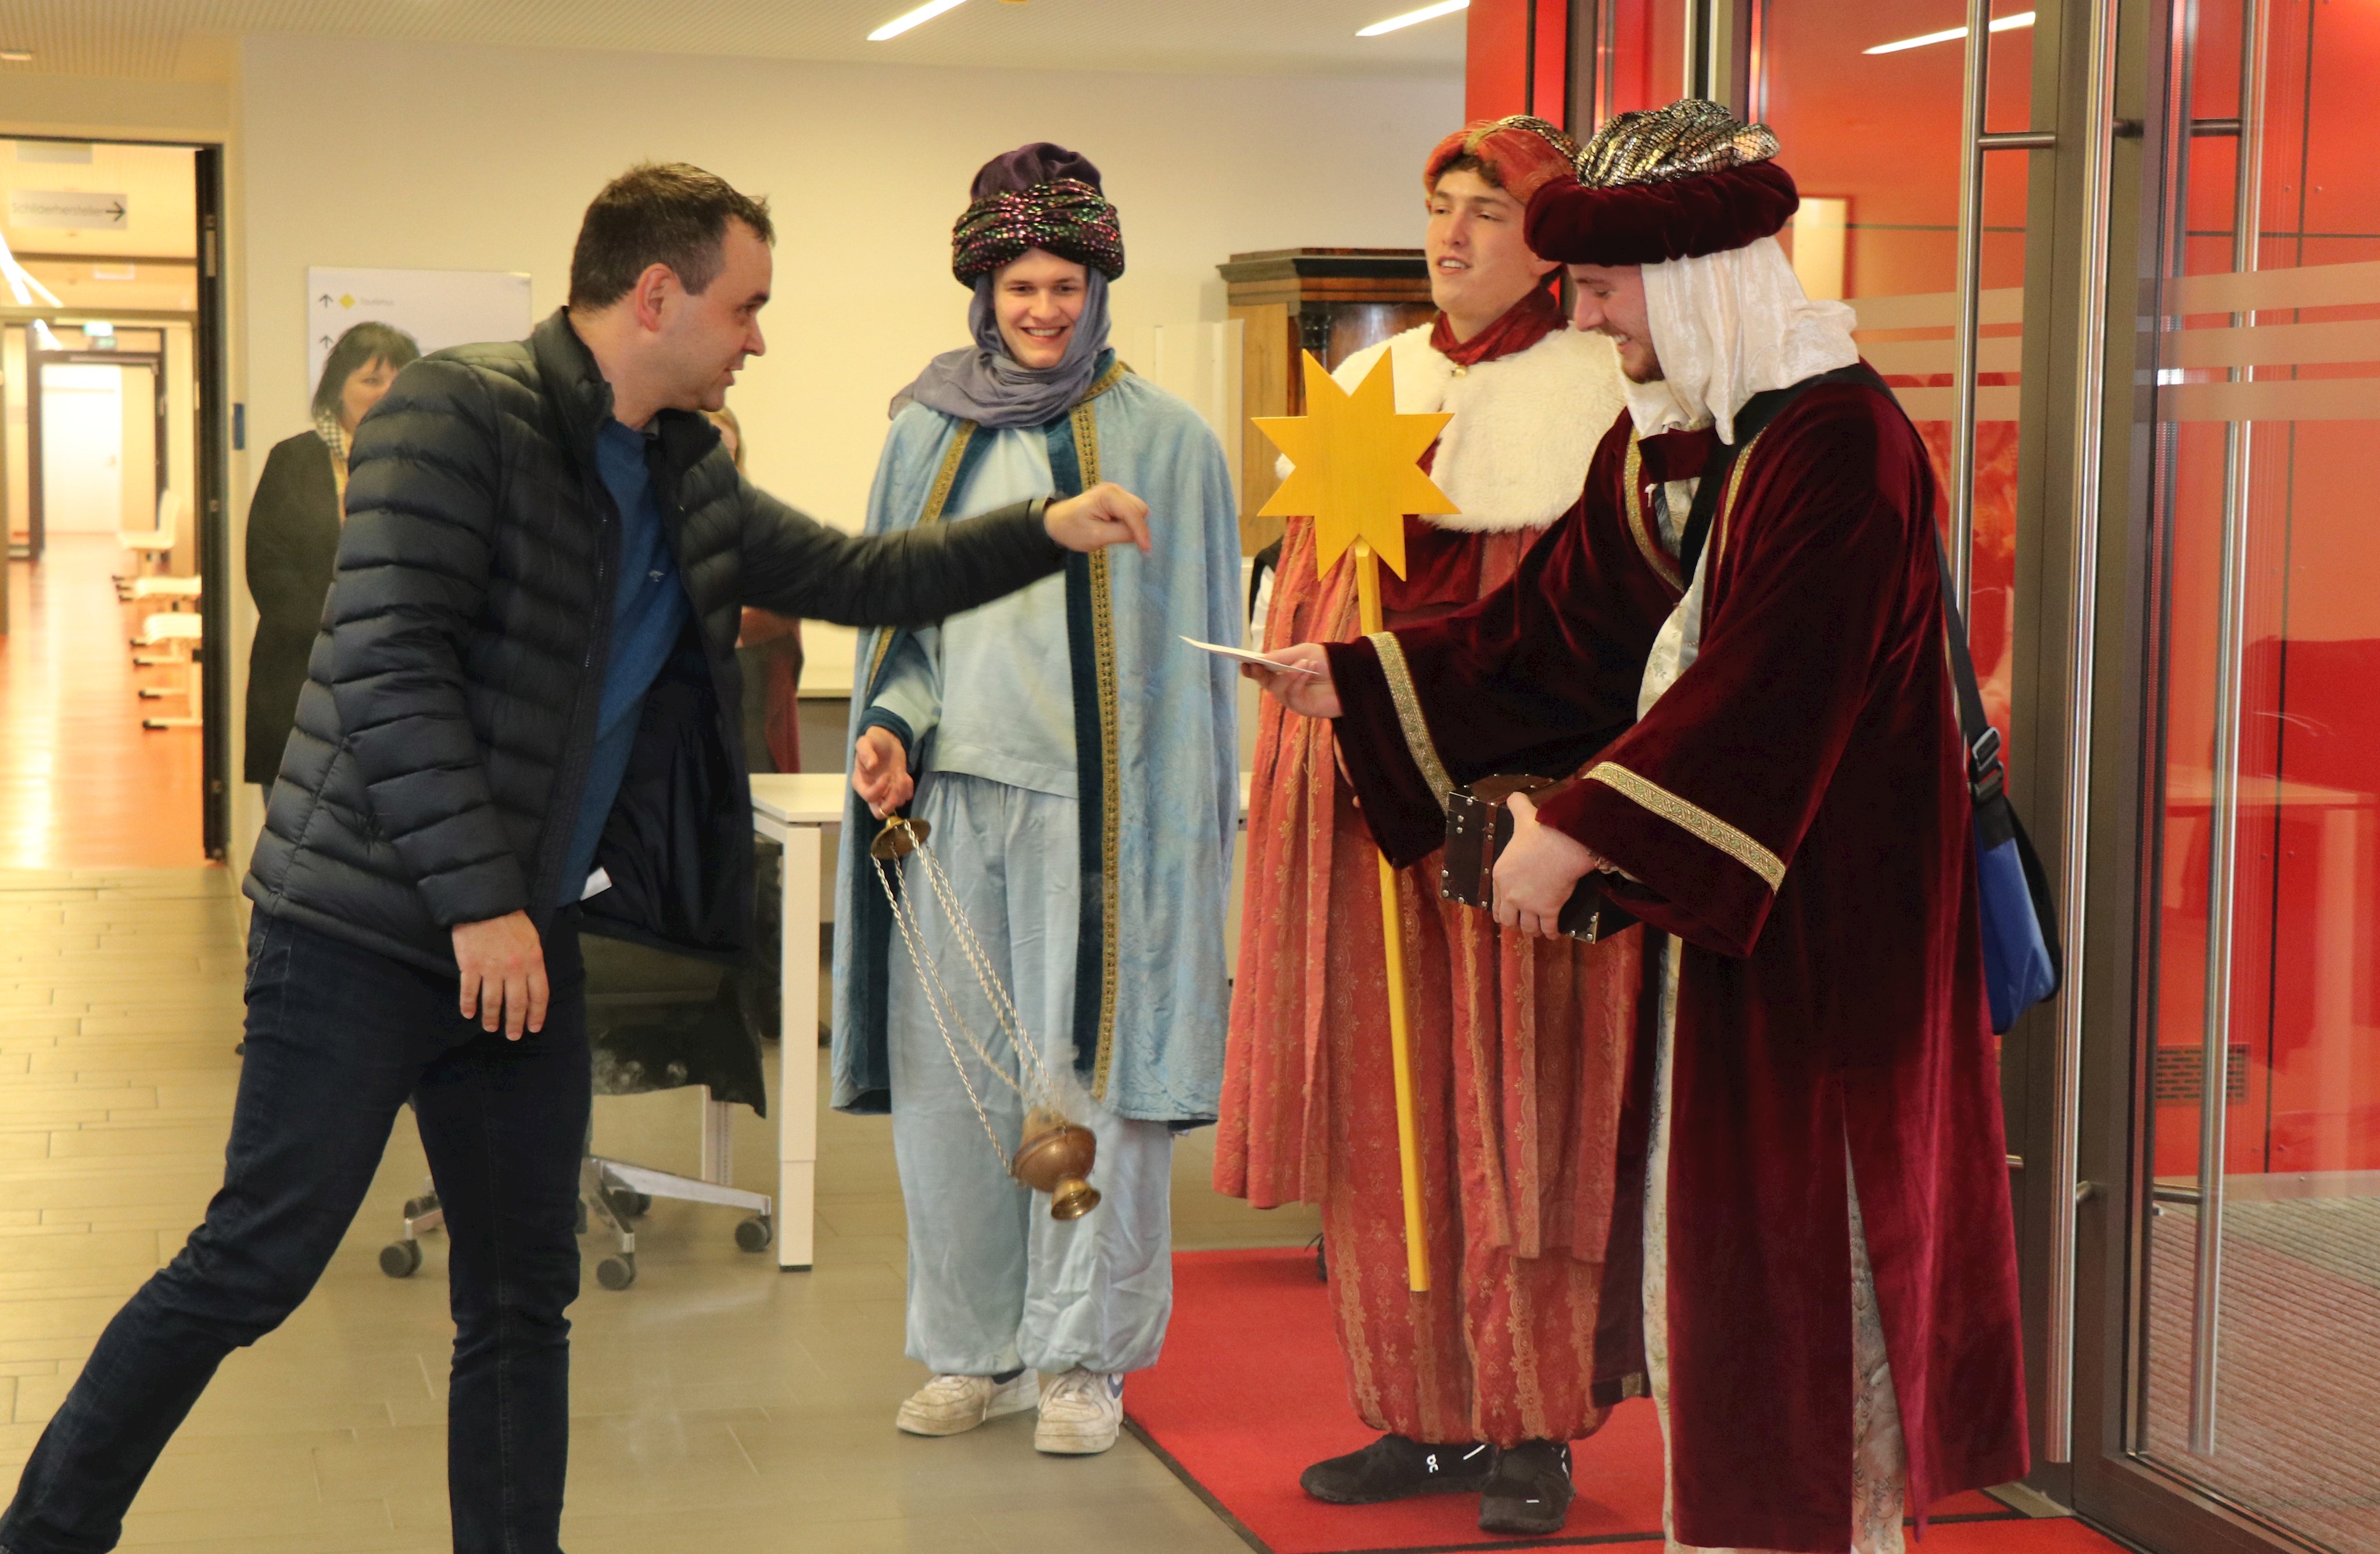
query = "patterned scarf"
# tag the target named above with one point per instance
(334, 437)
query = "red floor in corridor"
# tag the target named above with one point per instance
(82, 784)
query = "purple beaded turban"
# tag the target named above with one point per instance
(1040, 197)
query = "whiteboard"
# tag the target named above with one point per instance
(438, 308)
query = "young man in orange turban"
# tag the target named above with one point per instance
(1519, 1044)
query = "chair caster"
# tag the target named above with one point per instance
(415, 1208)
(754, 1234)
(629, 1204)
(400, 1259)
(617, 1274)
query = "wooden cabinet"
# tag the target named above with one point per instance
(1331, 301)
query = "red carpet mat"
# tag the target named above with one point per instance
(1251, 1389)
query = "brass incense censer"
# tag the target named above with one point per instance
(1056, 1154)
(1055, 1158)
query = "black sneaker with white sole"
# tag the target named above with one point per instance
(1530, 1490)
(1393, 1468)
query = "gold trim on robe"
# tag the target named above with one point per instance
(1640, 526)
(1087, 452)
(1416, 731)
(1692, 820)
(1726, 501)
(935, 500)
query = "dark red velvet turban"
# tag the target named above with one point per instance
(1040, 196)
(1645, 223)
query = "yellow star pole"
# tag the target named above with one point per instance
(1357, 475)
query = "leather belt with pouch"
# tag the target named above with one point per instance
(1479, 823)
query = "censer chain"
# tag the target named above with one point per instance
(995, 993)
(935, 996)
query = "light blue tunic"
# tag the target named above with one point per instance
(990, 692)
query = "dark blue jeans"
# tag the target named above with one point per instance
(338, 1037)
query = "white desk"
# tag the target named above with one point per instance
(793, 809)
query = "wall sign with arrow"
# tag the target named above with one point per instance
(68, 209)
(438, 308)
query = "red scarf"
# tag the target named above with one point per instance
(1523, 324)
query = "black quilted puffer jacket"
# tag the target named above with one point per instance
(444, 730)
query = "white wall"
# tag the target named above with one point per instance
(486, 158)
(441, 156)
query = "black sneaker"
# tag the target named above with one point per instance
(1530, 1490)
(1393, 1468)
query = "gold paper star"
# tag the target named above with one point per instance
(1357, 464)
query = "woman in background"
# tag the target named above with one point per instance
(293, 533)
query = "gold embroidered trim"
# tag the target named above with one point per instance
(1726, 504)
(1117, 372)
(937, 498)
(1695, 820)
(1418, 744)
(1640, 527)
(1086, 453)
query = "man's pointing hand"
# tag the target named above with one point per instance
(1100, 516)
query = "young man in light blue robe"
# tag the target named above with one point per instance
(1076, 763)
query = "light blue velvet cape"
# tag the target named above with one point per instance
(1157, 748)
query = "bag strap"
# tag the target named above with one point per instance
(1986, 777)
(1750, 423)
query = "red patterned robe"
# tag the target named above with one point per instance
(1794, 811)
(1519, 1046)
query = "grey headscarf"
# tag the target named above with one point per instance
(984, 384)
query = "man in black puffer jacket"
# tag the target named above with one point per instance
(521, 716)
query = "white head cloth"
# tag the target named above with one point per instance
(1727, 326)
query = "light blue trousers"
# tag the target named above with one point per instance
(994, 1282)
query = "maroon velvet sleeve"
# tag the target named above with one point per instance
(1646, 224)
(1404, 814)
(1823, 557)
(1536, 677)
(1542, 672)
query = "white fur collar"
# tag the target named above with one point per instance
(1525, 426)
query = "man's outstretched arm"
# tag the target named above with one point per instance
(795, 565)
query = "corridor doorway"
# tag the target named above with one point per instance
(112, 673)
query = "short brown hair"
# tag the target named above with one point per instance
(1468, 164)
(658, 213)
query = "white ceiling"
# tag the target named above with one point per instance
(187, 39)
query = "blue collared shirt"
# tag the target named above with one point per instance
(648, 612)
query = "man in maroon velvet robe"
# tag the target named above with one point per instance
(1773, 779)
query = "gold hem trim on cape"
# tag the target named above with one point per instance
(1694, 819)
(1418, 743)
(1640, 529)
(1727, 505)
(937, 498)
(1087, 452)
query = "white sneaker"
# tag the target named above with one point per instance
(1081, 1413)
(948, 1406)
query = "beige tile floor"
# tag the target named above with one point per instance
(718, 1404)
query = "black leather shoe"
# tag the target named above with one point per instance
(1393, 1468)
(1530, 1490)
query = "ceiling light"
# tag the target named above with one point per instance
(2000, 24)
(908, 19)
(1428, 13)
(17, 56)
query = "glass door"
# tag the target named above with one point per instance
(2239, 1394)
